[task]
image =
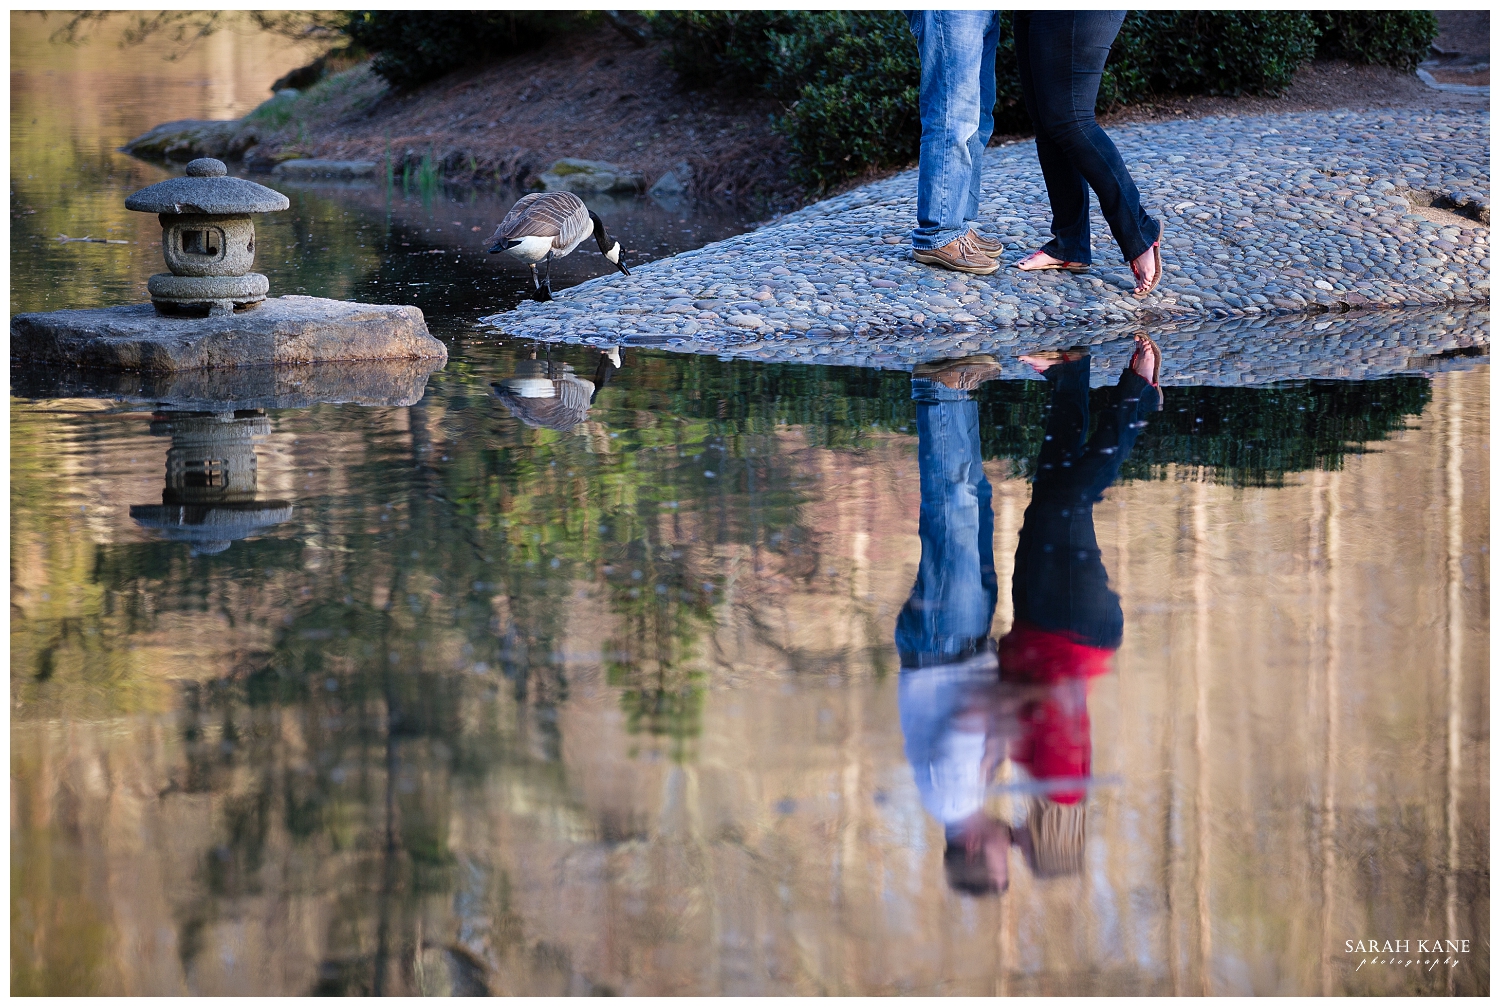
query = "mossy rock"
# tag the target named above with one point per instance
(573, 174)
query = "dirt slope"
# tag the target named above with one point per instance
(594, 95)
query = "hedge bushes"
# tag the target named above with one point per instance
(850, 78)
(1397, 38)
(414, 47)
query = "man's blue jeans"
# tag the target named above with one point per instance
(958, 116)
(1061, 56)
(947, 617)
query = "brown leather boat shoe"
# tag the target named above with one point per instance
(989, 246)
(961, 373)
(959, 255)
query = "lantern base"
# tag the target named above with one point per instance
(206, 295)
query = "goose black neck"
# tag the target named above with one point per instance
(600, 234)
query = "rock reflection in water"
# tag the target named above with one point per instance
(209, 501)
(619, 709)
(966, 710)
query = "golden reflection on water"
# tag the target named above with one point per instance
(1297, 718)
(72, 107)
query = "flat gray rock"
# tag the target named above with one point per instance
(307, 167)
(282, 330)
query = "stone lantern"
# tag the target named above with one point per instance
(210, 497)
(207, 238)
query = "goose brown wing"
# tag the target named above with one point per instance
(557, 215)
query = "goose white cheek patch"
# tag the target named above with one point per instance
(613, 255)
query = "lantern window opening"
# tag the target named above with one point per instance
(207, 241)
(210, 473)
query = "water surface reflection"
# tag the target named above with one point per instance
(616, 707)
(572, 671)
(968, 705)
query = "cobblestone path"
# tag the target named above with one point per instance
(1287, 215)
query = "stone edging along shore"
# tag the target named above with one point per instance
(1269, 215)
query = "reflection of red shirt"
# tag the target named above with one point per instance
(1055, 742)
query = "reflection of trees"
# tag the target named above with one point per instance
(404, 657)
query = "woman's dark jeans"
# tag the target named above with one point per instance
(1061, 55)
(1060, 583)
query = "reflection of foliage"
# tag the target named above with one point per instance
(663, 608)
(184, 28)
(408, 649)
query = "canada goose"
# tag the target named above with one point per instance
(551, 395)
(546, 224)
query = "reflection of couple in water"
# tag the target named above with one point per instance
(967, 703)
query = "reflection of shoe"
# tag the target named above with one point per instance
(1033, 264)
(962, 373)
(989, 246)
(1043, 359)
(1146, 361)
(959, 255)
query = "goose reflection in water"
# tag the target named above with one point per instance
(968, 704)
(551, 395)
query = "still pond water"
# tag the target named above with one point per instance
(394, 684)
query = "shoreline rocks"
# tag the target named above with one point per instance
(281, 330)
(1291, 214)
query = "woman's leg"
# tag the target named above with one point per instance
(1067, 418)
(1067, 51)
(1067, 190)
(1060, 583)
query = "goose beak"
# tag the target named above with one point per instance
(501, 245)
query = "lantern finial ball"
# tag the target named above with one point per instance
(207, 167)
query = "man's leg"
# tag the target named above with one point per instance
(951, 43)
(952, 603)
(981, 138)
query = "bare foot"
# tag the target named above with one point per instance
(1039, 260)
(1146, 360)
(1144, 267)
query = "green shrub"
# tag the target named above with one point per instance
(414, 47)
(851, 78)
(1397, 38)
(724, 49)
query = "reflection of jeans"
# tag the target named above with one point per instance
(1060, 583)
(952, 602)
(1061, 56)
(958, 115)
